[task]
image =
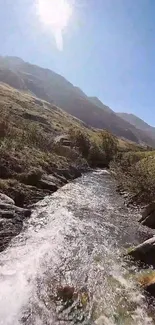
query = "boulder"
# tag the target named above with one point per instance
(47, 182)
(148, 210)
(149, 221)
(148, 216)
(150, 288)
(6, 199)
(60, 178)
(11, 220)
(145, 252)
(70, 173)
(65, 293)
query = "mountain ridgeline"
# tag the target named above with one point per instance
(50, 86)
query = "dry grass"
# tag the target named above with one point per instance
(147, 278)
(135, 172)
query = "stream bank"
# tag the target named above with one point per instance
(14, 211)
(76, 238)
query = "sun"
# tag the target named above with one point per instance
(55, 14)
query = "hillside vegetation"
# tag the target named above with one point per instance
(29, 143)
(50, 86)
(135, 173)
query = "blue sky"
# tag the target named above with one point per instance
(109, 49)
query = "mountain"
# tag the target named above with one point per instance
(138, 123)
(55, 89)
(98, 103)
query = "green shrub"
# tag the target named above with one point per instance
(97, 157)
(135, 173)
(109, 145)
(80, 141)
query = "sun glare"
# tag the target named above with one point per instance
(56, 15)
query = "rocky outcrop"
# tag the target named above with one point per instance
(54, 181)
(148, 216)
(145, 252)
(49, 182)
(4, 199)
(11, 220)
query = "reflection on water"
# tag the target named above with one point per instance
(74, 241)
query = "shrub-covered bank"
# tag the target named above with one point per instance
(135, 173)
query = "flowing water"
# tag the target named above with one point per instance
(75, 238)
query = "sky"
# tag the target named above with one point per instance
(108, 48)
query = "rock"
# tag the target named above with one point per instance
(48, 182)
(65, 293)
(6, 199)
(61, 178)
(70, 173)
(145, 252)
(11, 221)
(149, 221)
(150, 289)
(54, 179)
(7, 214)
(148, 216)
(148, 210)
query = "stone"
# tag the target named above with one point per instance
(6, 199)
(145, 252)
(147, 211)
(149, 221)
(148, 216)
(150, 289)
(47, 183)
(7, 214)
(70, 173)
(65, 293)
(11, 220)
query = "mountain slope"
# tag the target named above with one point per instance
(55, 89)
(98, 103)
(138, 123)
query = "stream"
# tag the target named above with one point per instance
(76, 237)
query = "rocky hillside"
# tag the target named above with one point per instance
(49, 86)
(138, 123)
(30, 147)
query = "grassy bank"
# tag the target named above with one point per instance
(135, 173)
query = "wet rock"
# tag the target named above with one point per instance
(148, 216)
(148, 210)
(6, 199)
(65, 293)
(150, 288)
(145, 252)
(70, 173)
(11, 221)
(54, 179)
(60, 178)
(49, 182)
(149, 221)
(7, 214)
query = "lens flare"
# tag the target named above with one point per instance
(55, 14)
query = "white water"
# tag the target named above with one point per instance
(74, 237)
